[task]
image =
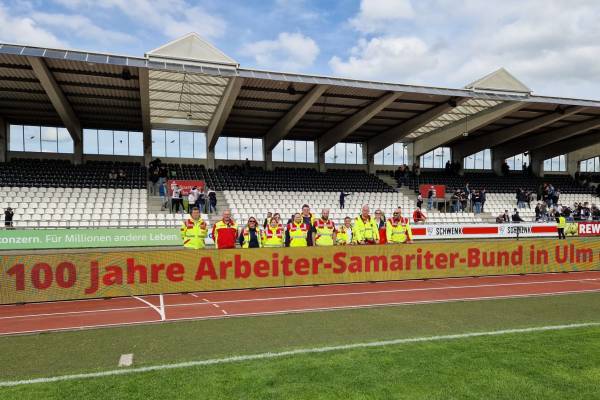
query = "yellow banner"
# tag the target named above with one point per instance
(78, 275)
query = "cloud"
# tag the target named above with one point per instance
(81, 27)
(289, 52)
(377, 14)
(550, 46)
(21, 29)
(389, 58)
(173, 18)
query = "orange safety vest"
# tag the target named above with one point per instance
(398, 231)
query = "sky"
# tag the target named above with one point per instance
(552, 46)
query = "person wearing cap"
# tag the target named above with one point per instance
(194, 231)
(398, 228)
(250, 237)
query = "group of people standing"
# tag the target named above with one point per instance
(303, 229)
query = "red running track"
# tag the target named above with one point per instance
(82, 314)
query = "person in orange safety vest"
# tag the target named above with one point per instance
(398, 228)
(297, 232)
(324, 230)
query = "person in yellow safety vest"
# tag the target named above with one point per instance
(324, 230)
(344, 234)
(365, 228)
(398, 228)
(561, 224)
(273, 235)
(194, 230)
(251, 235)
(297, 232)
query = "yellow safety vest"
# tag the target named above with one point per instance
(272, 237)
(342, 236)
(562, 222)
(193, 233)
(325, 231)
(365, 230)
(298, 234)
(398, 231)
(246, 235)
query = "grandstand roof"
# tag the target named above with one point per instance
(189, 83)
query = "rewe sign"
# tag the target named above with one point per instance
(589, 228)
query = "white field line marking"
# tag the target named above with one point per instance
(371, 292)
(163, 310)
(126, 360)
(313, 350)
(300, 311)
(216, 305)
(160, 310)
(194, 295)
(224, 312)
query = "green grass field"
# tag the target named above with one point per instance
(533, 365)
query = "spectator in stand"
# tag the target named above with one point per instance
(538, 212)
(163, 191)
(419, 201)
(251, 235)
(122, 174)
(296, 234)
(585, 212)
(343, 199)
(309, 220)
(455, 201)
(163, 173)
(419, 216)
(398, 228)
(344, 235)
(194, 231)
(431, 195)
(192, 199)
(112, 175)
(477, 201)
(516, 217)
(212, 201)
(201, 201)
(448, 167)
(380, 221)
(595, 213)
(176, 200)
(8, 218)
(483, 198)
(154, 185)
(519, 197)
(365, 228)
(225, 231)
(505, 168)
(555, 196)
(267, 220)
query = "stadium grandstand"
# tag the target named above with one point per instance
(79, 130)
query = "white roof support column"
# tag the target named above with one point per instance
(504, 135)
(281, 129)
(473, 122)
(399, 132)
(349, 125)
(57, 97)
(222, 112)
(144, 81)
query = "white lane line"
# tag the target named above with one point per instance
(433, 280)
(299, 311)
(224, 312)
(160, 309)
(297, 352)
(126, 360)
(262, 299)
(194, 295)
(216, 305)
